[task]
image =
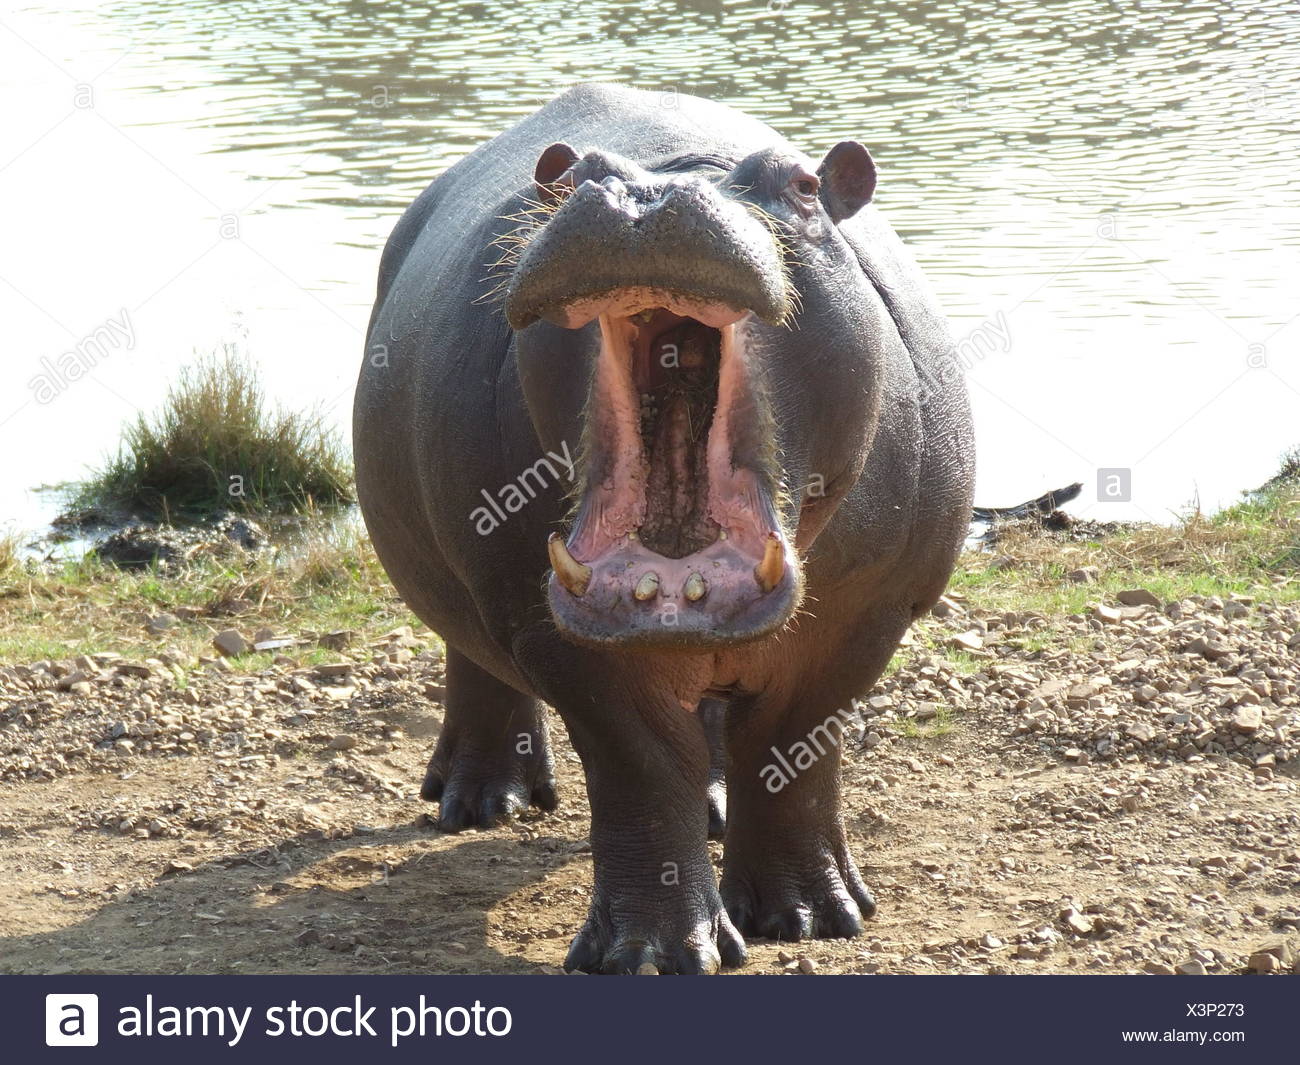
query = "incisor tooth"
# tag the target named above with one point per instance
(695, 588)
(568, 570)
(647, 587)
(769, 571)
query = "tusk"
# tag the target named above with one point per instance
(647, 587)
(568, 570)
(769, 572)
(695, 588)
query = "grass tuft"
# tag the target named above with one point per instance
(217, 444)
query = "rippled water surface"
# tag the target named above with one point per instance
(1110, 185)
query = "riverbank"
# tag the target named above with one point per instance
(1087, 759)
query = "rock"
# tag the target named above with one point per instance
(647, 968)
(1083, 575)
(1138, 597)
(945, 608)
(1281, 951)
(72, 680)
(1191, 968)
(990, 942)
(1078, 923)
(230, 643)
(807, 966)
(178, 866)
(240, 531)
(343, 742)
(1264, 963)
(1113, 615)
(1211, 649)
(1155, 968)
(338, 640)
(1247, 719)
(134, 669)
(335, 669)
(970, 640)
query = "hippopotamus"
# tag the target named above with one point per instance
(658, 424)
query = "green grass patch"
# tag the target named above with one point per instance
(217, 444)
(931, 729)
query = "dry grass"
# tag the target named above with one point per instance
(10, 561)
(1252, 548)
(330, 580)
(217, 444)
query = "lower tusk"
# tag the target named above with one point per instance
(695, 588)
(769, 572)
(568, 570)
(647, 587)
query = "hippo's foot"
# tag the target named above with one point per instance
(482, 789)
(695, 940)
(493, 758)
(811, 890)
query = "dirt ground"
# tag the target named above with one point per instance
(271, 824)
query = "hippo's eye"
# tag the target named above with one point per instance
(804, 185)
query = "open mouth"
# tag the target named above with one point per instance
(676, 541)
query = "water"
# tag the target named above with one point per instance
(1109, 184)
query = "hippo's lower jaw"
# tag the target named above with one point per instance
(677, 542)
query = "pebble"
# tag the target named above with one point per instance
(1248, 719)
(230, 643)
(1137, 597)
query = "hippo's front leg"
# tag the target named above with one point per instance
(655, 900)
(787, 871)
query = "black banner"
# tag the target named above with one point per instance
(497, 1018)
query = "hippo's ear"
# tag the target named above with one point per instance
(848, 179)
(551, 165)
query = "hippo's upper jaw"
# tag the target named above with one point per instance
(677, 540)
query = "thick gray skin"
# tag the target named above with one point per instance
(441, 414)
